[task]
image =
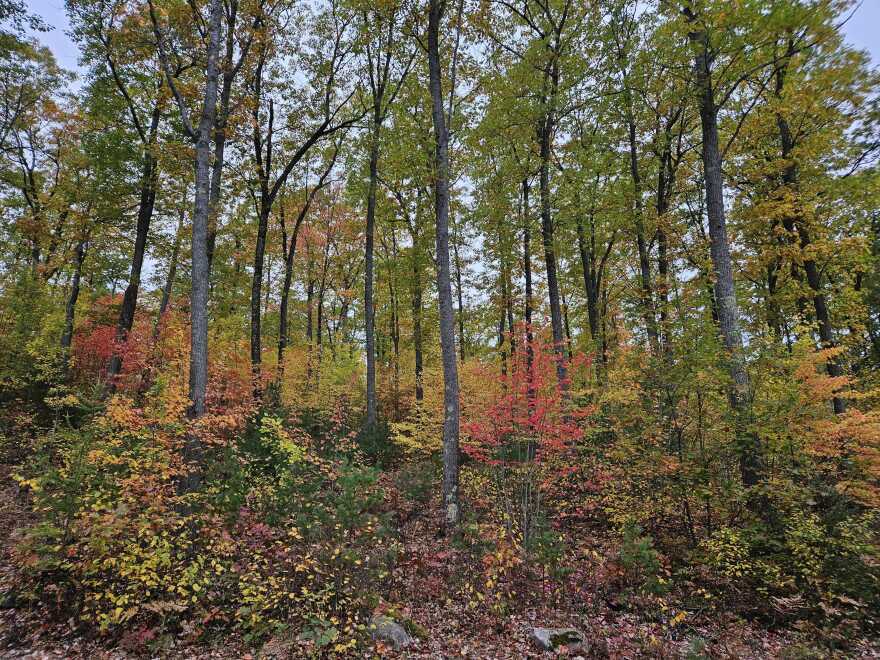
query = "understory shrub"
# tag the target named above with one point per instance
(279, 536)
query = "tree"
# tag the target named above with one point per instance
(451, 504)
(201, 136)
(387, 68)
(323, 67)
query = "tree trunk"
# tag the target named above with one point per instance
(256, 297)
(310, 318)
(70, 309)
(322, 287)
(568, 345)
(230, 69)
(198, 366)
(545, 135)
(145, 214)
(725, 292)
(172, 274)
(530, 339)
(641, 241)
(458, 289)
(285, 298)
(198, 380)
(665, 181)
(823, 318)
(451, 504)
(369, 310)
(506, 314)
(588, 267)
(798, 222)
(394, 328)
(417, 325)
(508, 300)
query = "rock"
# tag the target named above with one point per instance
(550, 639)
(279, 647)
(387, 630)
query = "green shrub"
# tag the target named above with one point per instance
(641, 561)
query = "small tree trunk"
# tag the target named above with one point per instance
(256, 297)
(417, 328)
(285, 299)
(70, 309)
(172, 274)
(587, 265)
(458, 289)
(641, 241)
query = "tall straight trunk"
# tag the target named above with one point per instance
(319, 333)
(527, 274)
(198, 375)
(665, 188)
(820, 306)
(506, 316)
(264, 206)
(545, 132)
(283, 338)
(216, 179)
(230, 69)
(394, 329)
(590, 288)
(568, 345)
(201, 137)
(369, 310)
(798, 222)
(501, 352)
(70, 309)
(604, 325)
(256, 297)
(725, 292)
(530, 339)
(145, 214)
(322, 288)
(417, 325)
(268, 287)
(663, 284)
(458, 291)
(229, 72)
(451, 504)
(508, 300)
(502, 319)
(641, 241)
(310, 311)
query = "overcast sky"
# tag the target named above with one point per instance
(862, 30)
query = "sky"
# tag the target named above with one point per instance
(862, 30)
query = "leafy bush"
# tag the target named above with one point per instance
(279, 535)
(641, 561)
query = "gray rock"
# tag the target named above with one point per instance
(280, 647)
(550, 639)
(385, 629)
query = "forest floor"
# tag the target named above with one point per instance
(449, 627)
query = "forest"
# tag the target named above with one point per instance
(439, 329)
